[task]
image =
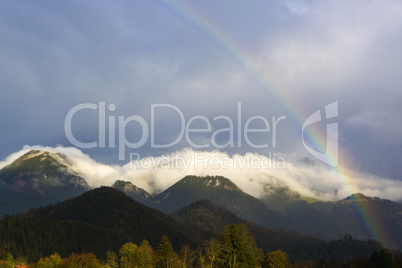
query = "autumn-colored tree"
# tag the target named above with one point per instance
(278, 259)
(21, 261)
(145, 256)
(8, 261)
(112, 261)
(127, 255)
(52, 261)
(87, 260)
(212, 257)
(186, 256)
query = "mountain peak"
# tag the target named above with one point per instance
(357, 197)
(212, 182)
(41, 168)
(38, 178)
(132, 191)
(220, 191)
(41, 161)
(220, 181)
(31, 153)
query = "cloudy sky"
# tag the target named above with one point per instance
(217, 62)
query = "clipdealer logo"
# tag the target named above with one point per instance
(107, 124)
(330, 156)
(187, 129)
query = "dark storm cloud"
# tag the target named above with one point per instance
(133, 55)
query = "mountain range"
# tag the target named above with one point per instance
(105, 218)
(40, 178)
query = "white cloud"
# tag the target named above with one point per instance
(251, 172)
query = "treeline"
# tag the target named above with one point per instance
(37, 236)
(233, 247)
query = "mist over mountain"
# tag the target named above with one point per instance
(156, 174)
(39, 178)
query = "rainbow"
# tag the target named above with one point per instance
(216, 35)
